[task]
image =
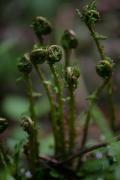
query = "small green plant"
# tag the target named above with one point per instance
(67, 161)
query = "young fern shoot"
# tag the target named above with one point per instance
(43, 27)
(72, 76)
(69, 42)
(29, 124)
(90, 16)
(37, 57)
(55, 55)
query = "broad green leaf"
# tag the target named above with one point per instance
(17, 137)
(15, 106)
(47, 145)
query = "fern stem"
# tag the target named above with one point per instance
(60, 108)
(92, 100)
(52, 106)
(110, 90)
(34, 153)
(72, 131)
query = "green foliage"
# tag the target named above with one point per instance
(55, 175)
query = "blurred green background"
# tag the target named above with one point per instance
(17, 37)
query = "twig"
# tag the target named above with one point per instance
(68, 172)
(77, 154)
(88, 150)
